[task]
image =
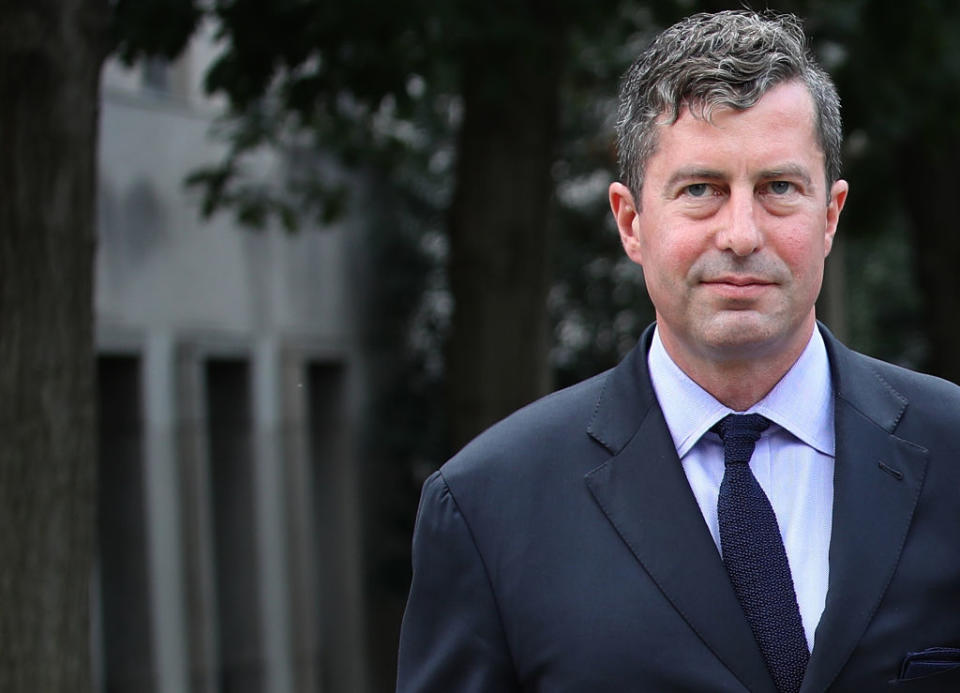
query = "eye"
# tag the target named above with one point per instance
(697, 190)
(780, 187)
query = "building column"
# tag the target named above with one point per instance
(270, 515)
(163, 516)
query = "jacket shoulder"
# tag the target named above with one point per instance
(538, 433)
(927, 403)
(919, 388)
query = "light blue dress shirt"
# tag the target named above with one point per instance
(793, 460)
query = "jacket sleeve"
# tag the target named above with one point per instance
(452, 639)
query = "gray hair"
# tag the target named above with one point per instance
(709, 61)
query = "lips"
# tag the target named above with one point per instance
(738, 289)
(737, 280)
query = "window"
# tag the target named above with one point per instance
(231, 455)
(121, 524)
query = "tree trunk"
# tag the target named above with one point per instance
(51, 52)
(928, 171)
(500, 221)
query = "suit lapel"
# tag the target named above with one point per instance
(877, 482)
(644, 494)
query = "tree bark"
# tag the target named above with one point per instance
(51, 53)
(500, 220)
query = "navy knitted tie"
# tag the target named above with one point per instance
(754, 556)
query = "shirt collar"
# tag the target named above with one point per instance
(801, 403)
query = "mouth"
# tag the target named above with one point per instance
(738, 287)
(739, 280)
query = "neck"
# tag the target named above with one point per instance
(740, 380)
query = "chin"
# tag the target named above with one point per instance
(744, 337)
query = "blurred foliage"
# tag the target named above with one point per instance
(143, 29)
(898, 73)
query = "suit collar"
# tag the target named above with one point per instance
(626, 399)
(857, 383)
(644, 494)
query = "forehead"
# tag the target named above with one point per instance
(781, 125)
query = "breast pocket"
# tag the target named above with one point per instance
(933, 669)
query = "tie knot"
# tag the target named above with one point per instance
(740, 433)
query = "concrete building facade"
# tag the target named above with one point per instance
(231, 391)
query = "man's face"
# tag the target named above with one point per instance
(733, 227)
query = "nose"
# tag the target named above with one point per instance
(740, 233)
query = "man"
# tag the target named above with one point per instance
(628, 533)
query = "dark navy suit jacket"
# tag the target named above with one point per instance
(563, 550)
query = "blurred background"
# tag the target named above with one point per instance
(325, 245)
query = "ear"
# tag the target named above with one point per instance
(838, 197)
(627, 217)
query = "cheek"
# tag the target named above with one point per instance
(803, 250)
(806, 270)
(678, 258)
(670, 250)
